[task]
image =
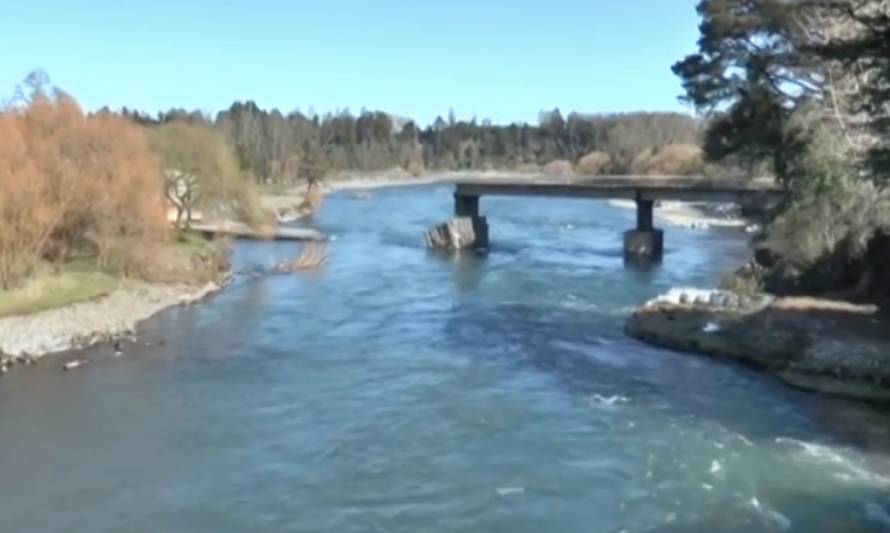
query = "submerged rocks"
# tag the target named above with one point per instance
(7, 362)
(821, 345)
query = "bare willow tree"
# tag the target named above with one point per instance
(313, 167)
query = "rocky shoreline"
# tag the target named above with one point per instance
(27, 338)
(815, 344)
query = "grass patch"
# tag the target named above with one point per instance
(191, 240)
(49, 290)
(277, 189)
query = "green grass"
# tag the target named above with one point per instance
(189, 239)
(48, 290)
(79, 281)
(277, 189)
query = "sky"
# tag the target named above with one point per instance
(503, 60)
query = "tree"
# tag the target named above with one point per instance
(202, 171)
(862, 49)
(313, 167)
(671, 160)
(267, 143)
(749, 75)
(594, 163)
(75, 185)
(752, 130)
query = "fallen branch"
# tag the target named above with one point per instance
(312, 256)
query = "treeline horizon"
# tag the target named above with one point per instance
(273, 147)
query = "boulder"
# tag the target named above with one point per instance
(816, 344)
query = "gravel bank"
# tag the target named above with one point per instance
(87, 323)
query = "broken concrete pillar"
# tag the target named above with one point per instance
(458, 234)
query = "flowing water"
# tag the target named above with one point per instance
(400, 391)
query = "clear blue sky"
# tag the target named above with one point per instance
(498, 59)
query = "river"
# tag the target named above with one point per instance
(399, 391)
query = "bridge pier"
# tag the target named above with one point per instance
(646, 242)
(467, 207)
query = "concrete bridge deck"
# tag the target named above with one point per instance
(644, 242)
(644, 188)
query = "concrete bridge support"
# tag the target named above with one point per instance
(646, 242)
(466, 206)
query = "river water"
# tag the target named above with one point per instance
(399, 391)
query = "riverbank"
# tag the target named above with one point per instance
(816, 344)
(289, 203)
(81, 324)
(75, 305)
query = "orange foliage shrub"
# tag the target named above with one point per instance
(75, 186)
(671, 160)
(19, 234)
(594, 163)
(560, 168)
(527, 168)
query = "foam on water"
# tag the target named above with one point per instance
(773, 518)
(848, 467)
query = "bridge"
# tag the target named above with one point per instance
(645, 242)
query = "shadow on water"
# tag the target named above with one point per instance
(466, 266)
(586, 353)
(642, 270)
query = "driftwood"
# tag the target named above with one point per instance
(458, 234)
(312, 256)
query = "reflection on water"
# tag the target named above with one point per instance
(399, 390)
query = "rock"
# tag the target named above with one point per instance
(23, 359)
(814, 344)
(77, 363)
(709, 298)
